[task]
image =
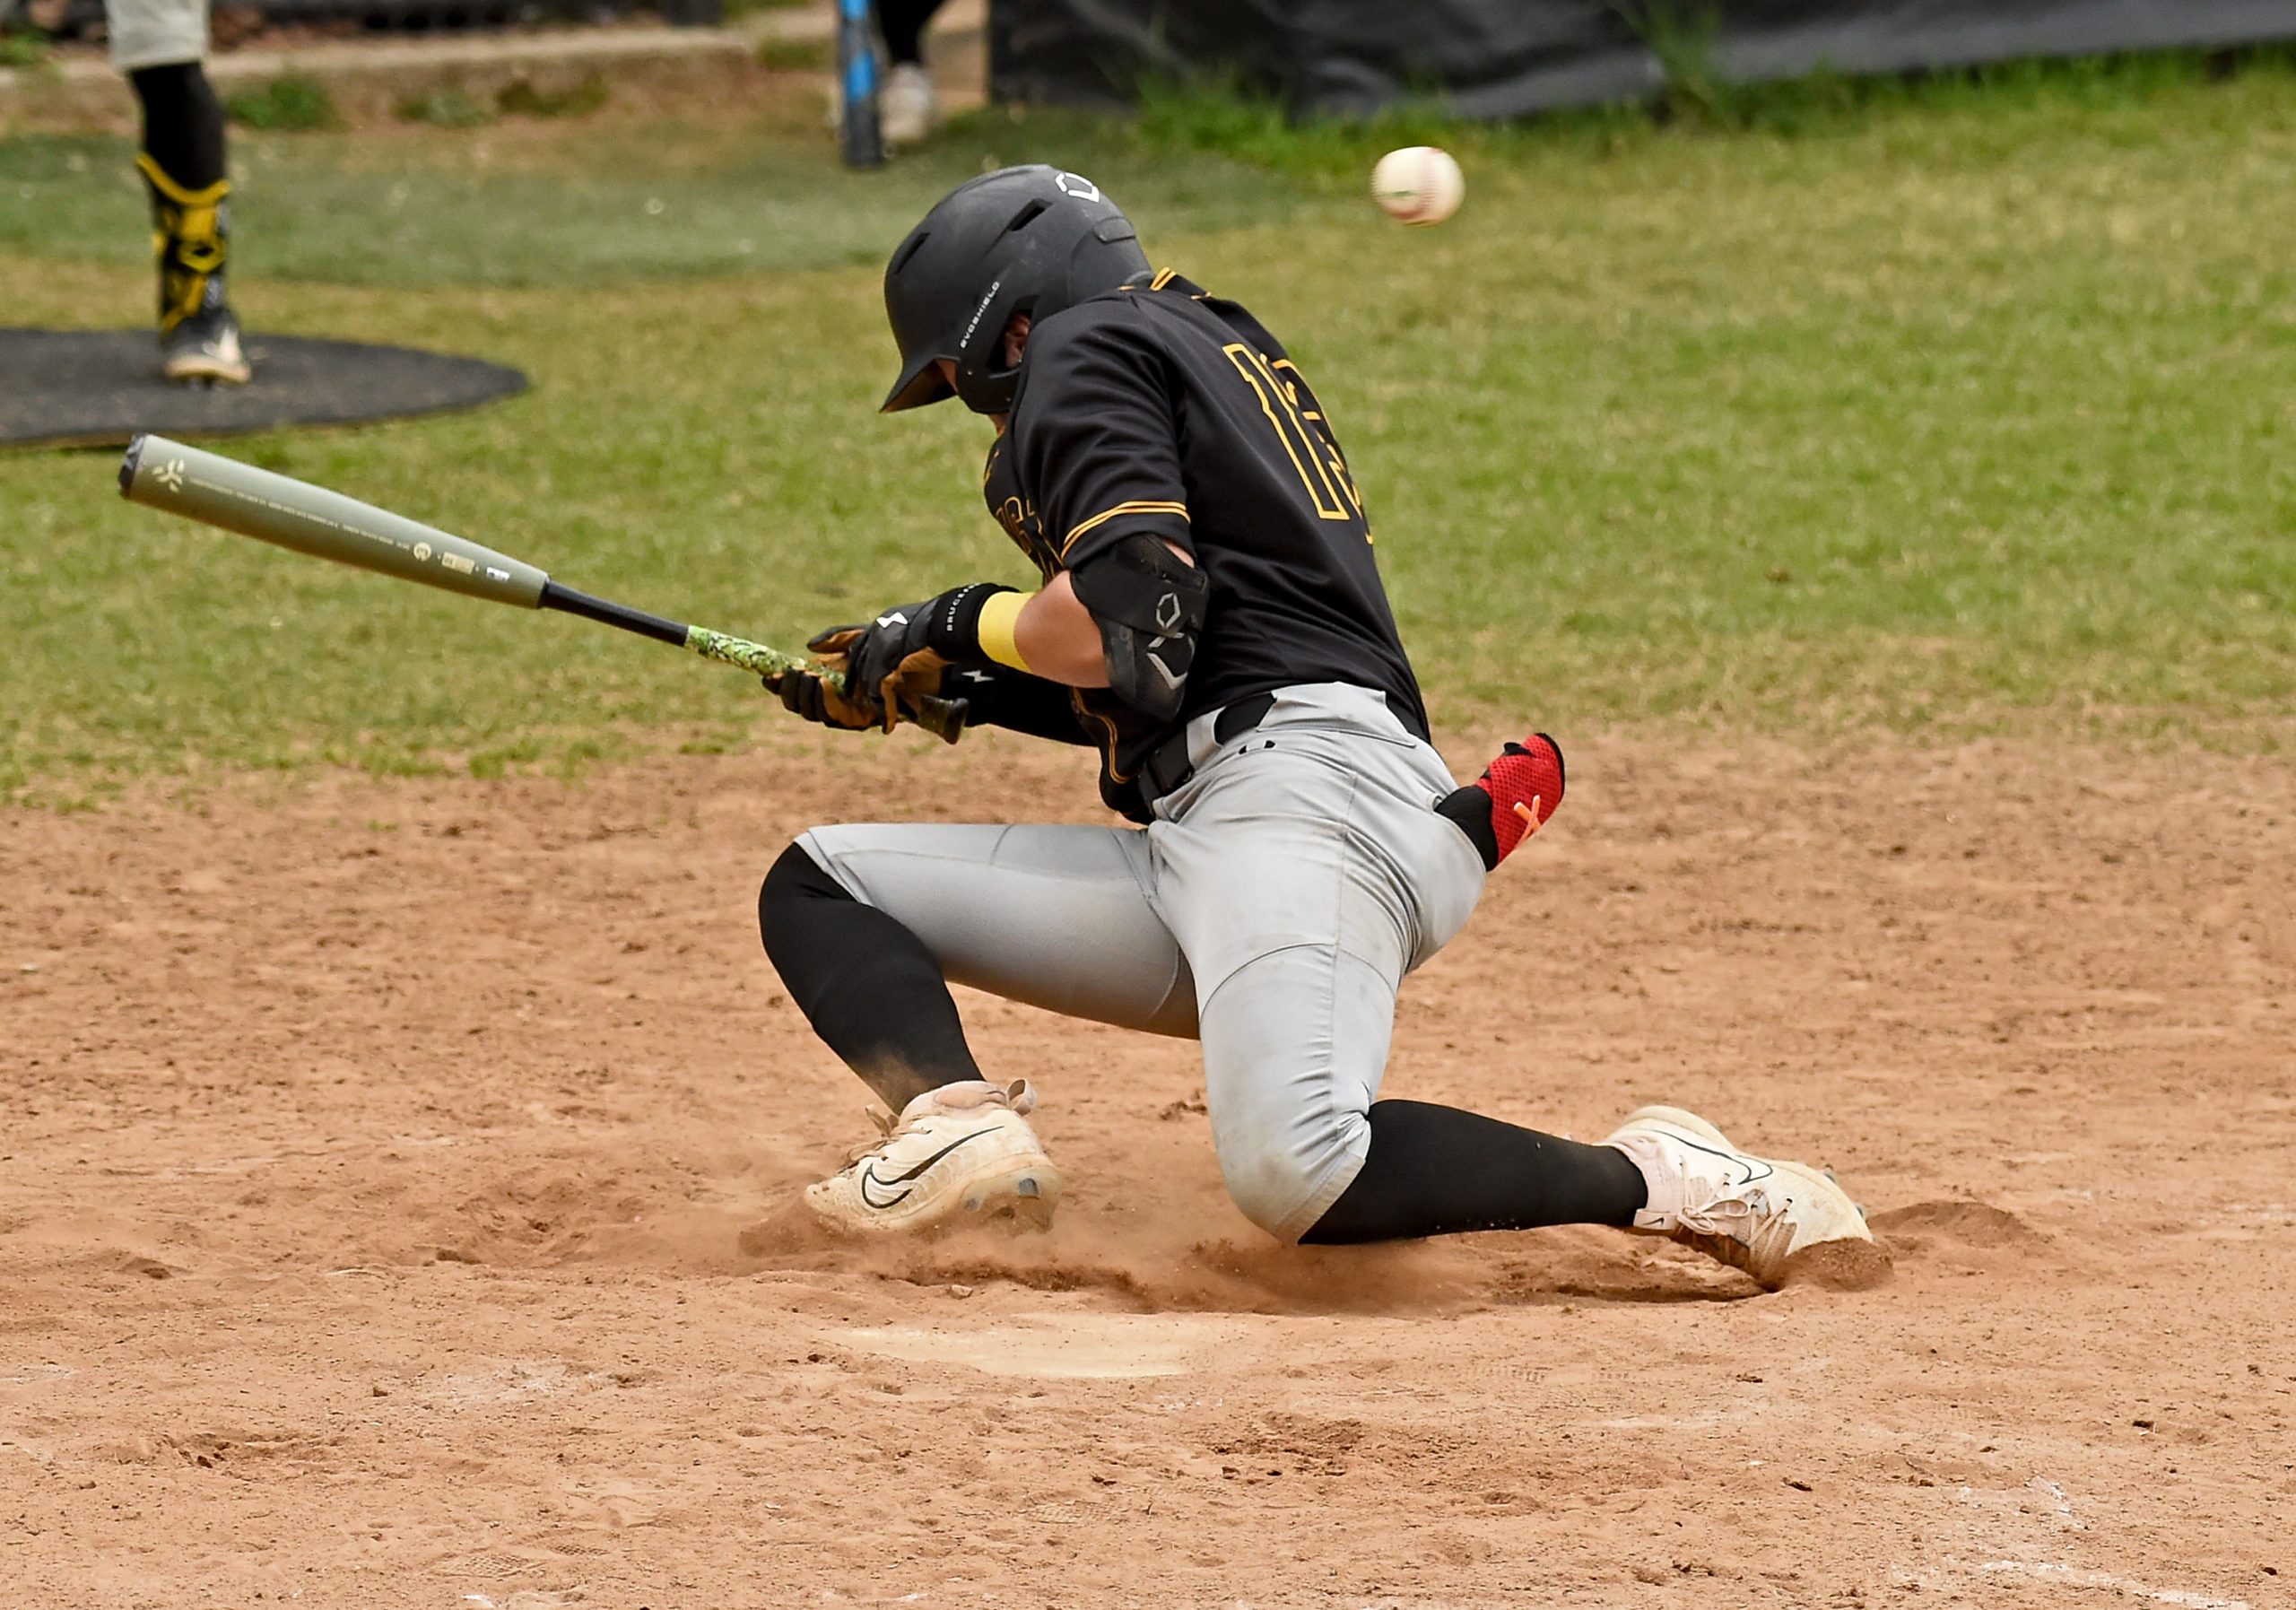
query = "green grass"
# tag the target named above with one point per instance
(1963, 413)
(25, 48)
(290, 103)
(520, 98)
(1214, 117)
(451, 106)
(442, 106)
(796, 56)
(589, 206)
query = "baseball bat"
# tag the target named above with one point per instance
(216, 491)
(859, 136)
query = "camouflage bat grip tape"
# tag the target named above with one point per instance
(945, 719)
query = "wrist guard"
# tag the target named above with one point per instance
(905, 650)
(949, 624)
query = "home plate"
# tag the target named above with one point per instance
(1067, 1346)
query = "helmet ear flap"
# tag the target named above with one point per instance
(985, 382)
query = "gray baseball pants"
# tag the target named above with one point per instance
(155, 33)
(1271, 911)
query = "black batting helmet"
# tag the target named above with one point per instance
(1028, 240)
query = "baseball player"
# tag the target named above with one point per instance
(1212, 621)
(160, 45)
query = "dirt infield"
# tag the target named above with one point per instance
(396, 1185)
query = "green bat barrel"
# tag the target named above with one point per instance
(277, 509)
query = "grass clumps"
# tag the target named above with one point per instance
(292, 103)
(522, 98)
(1221, 115)
(23, 48)
(452, 105)
(794, 55)
(443, 105)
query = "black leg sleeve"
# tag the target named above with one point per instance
(868, 986)
(903, 23)
(183, 123)
(1437, 1170)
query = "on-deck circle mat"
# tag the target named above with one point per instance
(94, 387)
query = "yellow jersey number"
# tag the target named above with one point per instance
(1313, 453)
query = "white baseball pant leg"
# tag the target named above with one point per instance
(155, 33)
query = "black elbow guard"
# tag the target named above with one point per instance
(1150, 603)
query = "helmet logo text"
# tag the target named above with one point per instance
(972, 324)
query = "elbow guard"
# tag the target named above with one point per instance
(1150, 604)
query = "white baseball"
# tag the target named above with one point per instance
(1420, 183)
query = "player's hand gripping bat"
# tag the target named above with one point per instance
(294, 514)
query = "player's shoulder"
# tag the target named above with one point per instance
(1113, 317)
(1158, 310)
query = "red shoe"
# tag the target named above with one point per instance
(1511, 800)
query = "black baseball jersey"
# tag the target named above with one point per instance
(1158, 409)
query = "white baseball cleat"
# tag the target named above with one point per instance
(203, 350)
(1754, 1212)
(963, 1154)
(905, 106)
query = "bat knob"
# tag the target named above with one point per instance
(128, 465)
(945, 719)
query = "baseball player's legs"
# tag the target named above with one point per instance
(1273, 908)
(160, 45)
(867, 925)
(1051, 915)
(1305, 874)
(1294, 1047)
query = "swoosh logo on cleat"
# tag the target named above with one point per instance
(1755, 1167)
(869, 1172)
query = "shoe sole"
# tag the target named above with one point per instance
(1026, 1195)
(208, 374)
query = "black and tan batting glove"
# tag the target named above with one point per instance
(819, 695)
(900, 657)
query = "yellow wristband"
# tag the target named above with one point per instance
(999, 617)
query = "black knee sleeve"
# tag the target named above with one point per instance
(868, 986)
(795, 878)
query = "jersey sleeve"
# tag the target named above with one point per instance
(1096, 433)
